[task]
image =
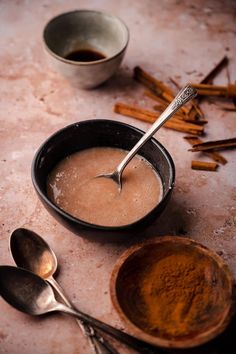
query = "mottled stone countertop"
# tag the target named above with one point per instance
(178, 39)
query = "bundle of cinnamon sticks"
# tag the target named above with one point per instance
(189, 119)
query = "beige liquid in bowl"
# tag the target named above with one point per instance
(73, 187)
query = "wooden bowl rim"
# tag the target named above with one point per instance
(172, 343)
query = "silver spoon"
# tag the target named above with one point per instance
(29, 293)
(186, 94)
(31, 252)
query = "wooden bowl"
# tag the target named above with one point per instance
(172, 292)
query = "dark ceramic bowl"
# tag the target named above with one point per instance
(86, 30)
(97, 133)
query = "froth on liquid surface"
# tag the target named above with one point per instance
(73, 187)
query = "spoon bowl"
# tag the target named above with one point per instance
(26, 291)
(31, 252)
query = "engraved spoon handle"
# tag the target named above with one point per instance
(97, 342)
(186, 94)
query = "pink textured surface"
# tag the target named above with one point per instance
(179, 39)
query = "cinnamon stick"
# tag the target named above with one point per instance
(228, 75)
(181, 116)
(202, 165)
(184, 127)
(208, 80)
(215, 145)
(195, 106)
(228, 108)
(140, 113)
(210, 93)
(211, 87)
(175, 83)
(216, 90)
(160, 108)
(152, 83)
(150, 116)
(218, 67)
(193, 140)
(195, 111)
(196, 121)
(154, 97)
(163, 99)
(157, 87)
(135, 112)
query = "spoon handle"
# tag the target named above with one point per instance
(97, 342)
(137, 344)
(187, 93)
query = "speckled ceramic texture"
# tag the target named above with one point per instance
(86, 30)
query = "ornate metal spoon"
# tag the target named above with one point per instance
(31, 294)
(31, 252)
(186, 94)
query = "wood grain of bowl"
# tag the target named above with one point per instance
(196, 300)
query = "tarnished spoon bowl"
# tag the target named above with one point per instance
(31, 252)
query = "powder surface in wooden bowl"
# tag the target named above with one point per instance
(173, 289)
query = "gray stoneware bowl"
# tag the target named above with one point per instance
(86, 30)
(97, 133)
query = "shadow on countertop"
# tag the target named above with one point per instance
(225, 343)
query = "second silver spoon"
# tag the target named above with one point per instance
(31, 252)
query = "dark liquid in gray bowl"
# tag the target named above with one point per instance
(85, 55)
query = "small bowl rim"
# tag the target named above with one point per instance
(73, 219)
(158, 341)
(88, 63)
